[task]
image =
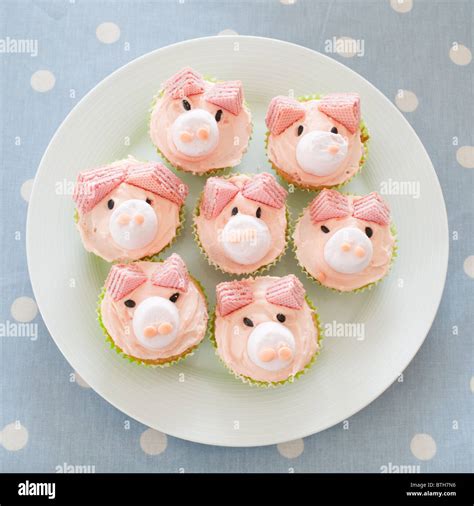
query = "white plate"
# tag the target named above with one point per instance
(199, 400)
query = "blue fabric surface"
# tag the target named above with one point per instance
(49, 420)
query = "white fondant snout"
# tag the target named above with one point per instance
(271, 346)
(155, 322)
(320, 153)
(133, 224)
(348, 251)
(195, 133)
(245, 239)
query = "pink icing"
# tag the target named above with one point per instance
(172, 273)
(310, 240)
(190, 304)
(232, 335)
(344, 108)
(209, 230)
(287, 291)
(282, 149)
(94, 225)
(234, 132)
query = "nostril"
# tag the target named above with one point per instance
(285, 353)
(124, 219)
(267, 354)
(165, 328)
(150, 331)
(203, 133)
(333, 149)
(139, 219)
(359, 251)
(186, 136)
(345, 246)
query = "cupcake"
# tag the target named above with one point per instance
(241, 222)
(345, 242)
(265, 331)
(128, 210)
(153, 312)
(316, 143)
(200, 126)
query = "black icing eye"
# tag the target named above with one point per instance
(174, 297)
(281, 317)
(300, 130)
(234, 211)
(110, 204)
(248, 322)
(186, 105)
(258, 214)
(130, 303)
(148, 201)
(325, 229)
(218, 115)
(334, 130)
(369, 231)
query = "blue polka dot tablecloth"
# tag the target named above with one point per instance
(417, 52)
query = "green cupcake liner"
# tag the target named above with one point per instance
(261, 269)
(369, 286)
(187, 353)
(364, 137)
(208, 173)
(270, 384)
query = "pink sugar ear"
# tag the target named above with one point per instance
(232, 295)
(93, 185)
(287, 291)
(217, 194)
(342, 107)
(123, 279)
(329, 204)
(264, 188)
(172, 273)
(158, 179)
(372, 208)
(282, 113)
(184, 83)
(228, 95)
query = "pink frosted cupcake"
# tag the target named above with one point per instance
(200, 126)
(265, 331)
(345, 242)
(316, 143)
(128, 209)
(241, 222)
(153, 312)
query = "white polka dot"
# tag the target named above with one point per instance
(26, 188)
(228, 31)
(423, 446)
(469, 266)
(402, 6)
(24, 309)
(465, 156)
(460, 55)
(288, 2)
(346, 47)
(406, 100)
(42, 81)
(471, 384)
(291, 449)
(14, 437)
(80, 380)
(108, 33)
(153, 442)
